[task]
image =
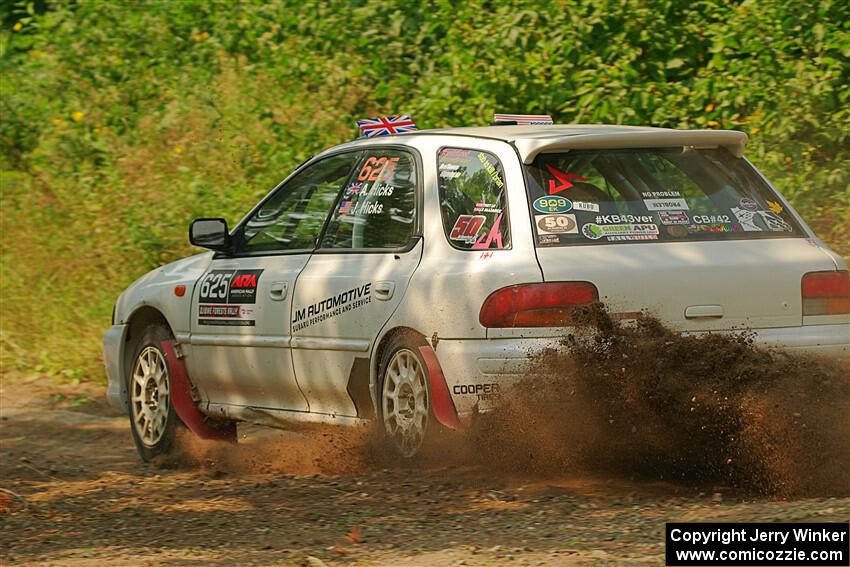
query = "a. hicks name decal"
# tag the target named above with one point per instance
(228, 298)
(332, 307)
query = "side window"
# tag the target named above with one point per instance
(293, 217)
(377, 209)
(473, 199)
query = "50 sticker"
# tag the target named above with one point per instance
(557, 224)
(467, 227)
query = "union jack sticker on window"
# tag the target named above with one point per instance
(385, 125)
(525, 119)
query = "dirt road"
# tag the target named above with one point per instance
(75, 493)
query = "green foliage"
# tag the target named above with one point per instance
(121, 121)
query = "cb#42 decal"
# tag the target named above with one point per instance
(333, 306)
(228, 297)
(711, 219)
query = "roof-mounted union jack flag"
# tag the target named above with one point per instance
(386, 125)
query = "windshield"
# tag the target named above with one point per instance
(599, 196)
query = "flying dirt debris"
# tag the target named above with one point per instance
(634, 400)
(643, 401)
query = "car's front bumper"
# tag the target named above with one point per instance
(477, 370)
(116, 388)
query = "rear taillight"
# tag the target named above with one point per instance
(826, 293)
(535, 305)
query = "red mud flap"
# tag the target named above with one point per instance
(185, 407)
(441, 400)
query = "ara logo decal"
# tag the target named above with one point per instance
(552, 204)
(229, 286)
(244, 280)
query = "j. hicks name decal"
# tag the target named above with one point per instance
(228, 297)
(332, 307)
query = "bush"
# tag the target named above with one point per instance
(120, 122)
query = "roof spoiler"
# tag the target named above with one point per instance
(732, 140)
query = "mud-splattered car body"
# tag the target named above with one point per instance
(478, 241)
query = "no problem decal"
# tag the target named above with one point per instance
(332, 307)
(227, 297)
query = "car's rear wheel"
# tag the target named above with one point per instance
(405, 401)
(152, 418)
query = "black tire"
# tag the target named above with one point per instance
(406, 344)
(156, 437)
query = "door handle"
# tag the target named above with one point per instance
(384, 290)
(704, 312)
(278, 291)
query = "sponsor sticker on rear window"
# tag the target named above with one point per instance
(552, 204)
(620, 231)
(557, 224)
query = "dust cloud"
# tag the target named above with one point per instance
(641, 401)
(633, 400)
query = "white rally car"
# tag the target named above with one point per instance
(407, 278)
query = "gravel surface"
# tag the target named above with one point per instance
(75, 493)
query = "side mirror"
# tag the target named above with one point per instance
(210, 233)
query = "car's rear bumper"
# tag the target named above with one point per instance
(116, 388)
(477, 370)
(832, 341)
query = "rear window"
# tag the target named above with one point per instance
(473, 199)
(598, 196)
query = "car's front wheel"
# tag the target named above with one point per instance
(152, 418)
(406, 418)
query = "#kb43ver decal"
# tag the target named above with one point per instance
(228, 297)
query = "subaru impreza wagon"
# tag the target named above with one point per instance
(406, 279)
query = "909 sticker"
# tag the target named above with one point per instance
(552, 204)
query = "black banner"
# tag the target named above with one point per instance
(763, 544)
